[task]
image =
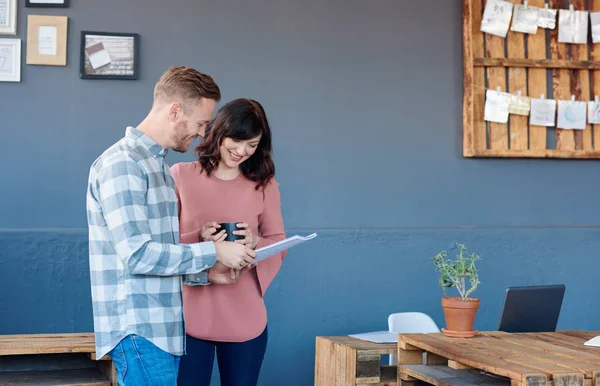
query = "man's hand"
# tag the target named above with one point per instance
(220, 274)
(233, 255)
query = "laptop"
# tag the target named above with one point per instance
(531, 308)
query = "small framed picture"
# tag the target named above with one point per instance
(109, 55)
(47, 3)
(10, 60)
(8, 17)
(47, 40)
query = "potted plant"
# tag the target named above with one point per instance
(460, 273)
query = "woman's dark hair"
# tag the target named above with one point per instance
(240, 119)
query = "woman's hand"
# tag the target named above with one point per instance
(220, 274)
(250, 239)
(208, 232)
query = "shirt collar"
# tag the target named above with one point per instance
(146, 141)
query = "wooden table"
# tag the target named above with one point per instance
(524, 359)
(490, 358)
(346, 361)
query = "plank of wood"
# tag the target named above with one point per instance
(440, 375)
(46, 344)
(474, 126)
(458, 366)
(580, 85)
(567, 379)
(364, 346)
(536, 49)
(536, 63)
(453, 351)
(595, 57)
(517, 82)
(83, 377)
(583, 335)
(531, 153)
(561, 80)
(496, 76)
(572, 342)
(543, 363)
(526, 340)
(368, 369)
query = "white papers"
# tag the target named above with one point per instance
(270, 250)
(593, 112)
(546, 18)
(47, 40)
(519, 105)
(496, 106)
(496, 17)
(377, 337)
(525, 19)
(595, 341)
(543, 112)
(571, 115)
(595, 21)
(572, 26)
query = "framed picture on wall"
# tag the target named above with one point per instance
(109, 55)
(10, 60)
(46, 3)
(8, 17)
(47, 40)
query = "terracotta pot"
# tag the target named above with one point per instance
(460, 314)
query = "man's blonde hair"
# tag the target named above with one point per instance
(185, 85)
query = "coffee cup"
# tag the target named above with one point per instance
(229, 227)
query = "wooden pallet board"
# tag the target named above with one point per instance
(526, 63)
(345, 361)
(526, 359)
(47, 344)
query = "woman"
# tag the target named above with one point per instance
(232, 181)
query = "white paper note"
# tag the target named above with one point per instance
(594, 112)
(571, 115)
(496, 17)
(572, 26)
(47, 40)
(270, 250)
(525, 19)
(519, 105)
(595, 21)
(546, 18)
(543, 112)
(496, 106)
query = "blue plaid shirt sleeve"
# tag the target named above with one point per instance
(122, 191)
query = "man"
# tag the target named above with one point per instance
(136, 261)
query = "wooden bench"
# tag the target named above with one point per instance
(53, 360)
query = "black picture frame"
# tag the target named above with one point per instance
(86, 71)
(29, 4)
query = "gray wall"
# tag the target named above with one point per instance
(365, 104)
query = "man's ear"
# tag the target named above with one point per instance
(175, 111)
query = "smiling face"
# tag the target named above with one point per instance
(188, 127)
(234, 152)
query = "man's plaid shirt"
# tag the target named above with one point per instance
(136, 261)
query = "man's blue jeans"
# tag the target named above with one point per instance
(140, 363)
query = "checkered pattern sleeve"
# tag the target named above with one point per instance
(122, 190)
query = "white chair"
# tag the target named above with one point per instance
(410, 323)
